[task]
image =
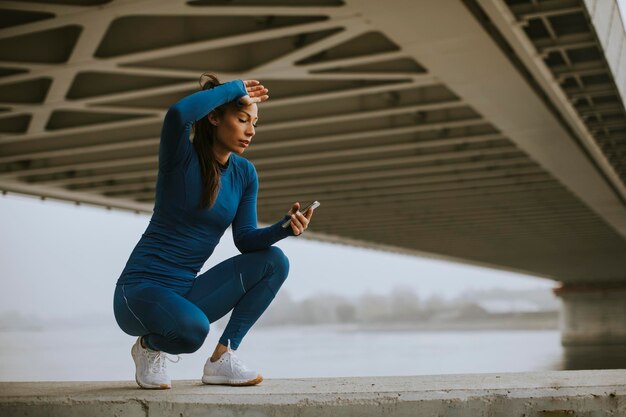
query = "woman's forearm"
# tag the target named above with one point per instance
(197, 105)
(262, 238)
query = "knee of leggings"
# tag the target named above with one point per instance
(279, 260)
(192, 335)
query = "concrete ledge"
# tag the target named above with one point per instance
(545, 394)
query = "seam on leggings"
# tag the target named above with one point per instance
(241, 279)
(131, 310)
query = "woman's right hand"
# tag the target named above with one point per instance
(299, 221)
(256, 93)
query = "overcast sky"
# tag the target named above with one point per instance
(58, 259)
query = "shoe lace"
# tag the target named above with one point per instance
(234, 360)
(157, 360)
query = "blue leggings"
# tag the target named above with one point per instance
(177, 321)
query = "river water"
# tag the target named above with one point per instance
(103, 353)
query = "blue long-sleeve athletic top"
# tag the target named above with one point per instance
(181, 236)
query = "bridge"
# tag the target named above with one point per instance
(490, 132)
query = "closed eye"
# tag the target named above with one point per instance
(244, 121)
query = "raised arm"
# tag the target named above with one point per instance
(245, 233)
(175, 144)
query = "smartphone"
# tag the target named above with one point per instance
(313, 205)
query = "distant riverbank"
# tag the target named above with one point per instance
(503, 321)
(519, 322)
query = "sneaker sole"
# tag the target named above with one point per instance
(146, 386)
(220, 380)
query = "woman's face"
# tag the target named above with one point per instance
(234, 128)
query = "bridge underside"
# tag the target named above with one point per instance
(483, 131)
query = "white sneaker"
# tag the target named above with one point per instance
(150, 367)
(229, 370)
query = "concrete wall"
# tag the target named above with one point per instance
(545, 394)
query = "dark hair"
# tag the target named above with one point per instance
(203, 139)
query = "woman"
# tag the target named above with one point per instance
(203, 187)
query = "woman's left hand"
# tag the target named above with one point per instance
(299, 221)
(257, 93)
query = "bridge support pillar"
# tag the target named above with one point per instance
(593, 326)
(593, 314)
